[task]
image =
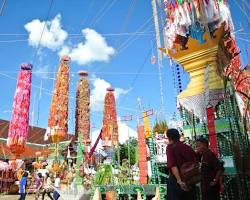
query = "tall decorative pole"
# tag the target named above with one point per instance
(110, 125)
(82, 126)
(19, 123)
(82, 109)
(142, 158)
(58, 116)
(150, 141)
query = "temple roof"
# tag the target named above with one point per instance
(35, 141)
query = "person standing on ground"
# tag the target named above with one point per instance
(57, 183)
(47, 187)
(177, 154)
(39, 185)
(23, 185)
(211, 171)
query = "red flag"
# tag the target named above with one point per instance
(211, 130)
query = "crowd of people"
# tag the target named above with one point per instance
(188, 166)
(44, 185)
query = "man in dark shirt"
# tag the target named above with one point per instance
(211, 171)
(177, 154)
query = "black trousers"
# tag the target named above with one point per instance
(22, 196)
(176, 193)
(48, 193)
(210, 193)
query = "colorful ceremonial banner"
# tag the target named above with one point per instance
(211, 130)
(19, 123)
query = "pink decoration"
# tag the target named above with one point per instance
(19, 123)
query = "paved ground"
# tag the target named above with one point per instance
(15, 197)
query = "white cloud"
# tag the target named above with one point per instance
(125, 132)
(94, 48)
(64, 51)
(98, 93)
(53, 36)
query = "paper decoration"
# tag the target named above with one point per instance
(19, 123)
(110, 126)
(234, 70)
(185, 18)
(58, 116)
(82, 108)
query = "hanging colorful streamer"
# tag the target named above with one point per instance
(19, 123)
(186, 18)
(110, 126)
(82, 108)
(58, 116)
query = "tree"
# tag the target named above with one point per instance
(129, 146)
(160, 127)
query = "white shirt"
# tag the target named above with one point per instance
(48, 183)
(57, 182)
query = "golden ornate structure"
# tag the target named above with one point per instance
(196, 60)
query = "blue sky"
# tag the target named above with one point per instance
(119, 69)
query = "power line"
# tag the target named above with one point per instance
(87, 12)
(75, 73)
(138, 73)
(137, 34)
(48, 92)
(243, 39)
(2, 7)
(128, 16)
(242, 10)
(104, 13)
(45, 24)
(100, 11)
(128, 41)
(124, 44)
(80, 34)
(132, 41)
(13, 41)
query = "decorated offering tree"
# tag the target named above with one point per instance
(58, 116)
(82, 108)
(19, 123)
(110, 126)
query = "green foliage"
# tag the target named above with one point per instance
(104, 175)
(129, 146)
(124, 175)
(160, 127)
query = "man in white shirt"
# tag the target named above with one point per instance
(56, 195)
